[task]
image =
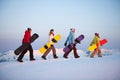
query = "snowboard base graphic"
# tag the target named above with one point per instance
(48, 45)
(70, 46)
(94, 46)
(25, 45)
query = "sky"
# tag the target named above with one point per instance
(86, 16)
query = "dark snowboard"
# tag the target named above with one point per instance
(70, 46)
(25, 45)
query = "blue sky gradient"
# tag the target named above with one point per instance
(86, 16)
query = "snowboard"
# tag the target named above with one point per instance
(70, 46)
(25, 45)
(94, 46)
(48, 44)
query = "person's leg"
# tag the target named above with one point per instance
(94, 52)
(99, 52)
(21, 55)
(54, 51)
(67, 53)
(46, 53)
(75, 52)
(31, 52)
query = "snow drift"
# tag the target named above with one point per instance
(83, 68)
(10, 56)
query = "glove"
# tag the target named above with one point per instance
(74, 44)
(65, 44)
(51, 45)
(91, 44)
(45, 46)
(54, 40)
(77, 41)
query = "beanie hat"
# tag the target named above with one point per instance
(97, 34)
(29, 29)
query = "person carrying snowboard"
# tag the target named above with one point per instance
(96, 40)
(26, 39)
(51, 36)
(70, 39)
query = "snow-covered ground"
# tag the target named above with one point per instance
(83, 68)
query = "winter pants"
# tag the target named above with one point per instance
(95, 51)
(51, 48)
(75, 52)
(23, 53)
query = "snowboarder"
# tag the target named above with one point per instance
(96, 40)
(70, 39)
(51, 35)
(26, 39)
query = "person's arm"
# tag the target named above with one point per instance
(50, 39)
(28, 37)
(93, 41)
(67, 40)
(98, 41)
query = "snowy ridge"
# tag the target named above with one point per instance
(10, 56)
(83, 68)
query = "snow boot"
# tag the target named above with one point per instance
(91, 56)
(77, 56)
(43, 57)
(65, 56)
(19, 60)
(55, 56)
(100, 56)
(32, 59)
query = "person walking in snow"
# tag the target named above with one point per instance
(51, 36)
(26, 39)
(96, 40)
(70, 39)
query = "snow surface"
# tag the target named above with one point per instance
(83, 68)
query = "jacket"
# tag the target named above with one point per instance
(96, 40)
(70, 38)
(27, 37)
(50, 38)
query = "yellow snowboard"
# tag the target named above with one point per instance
(47, 46)
(92, 47)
